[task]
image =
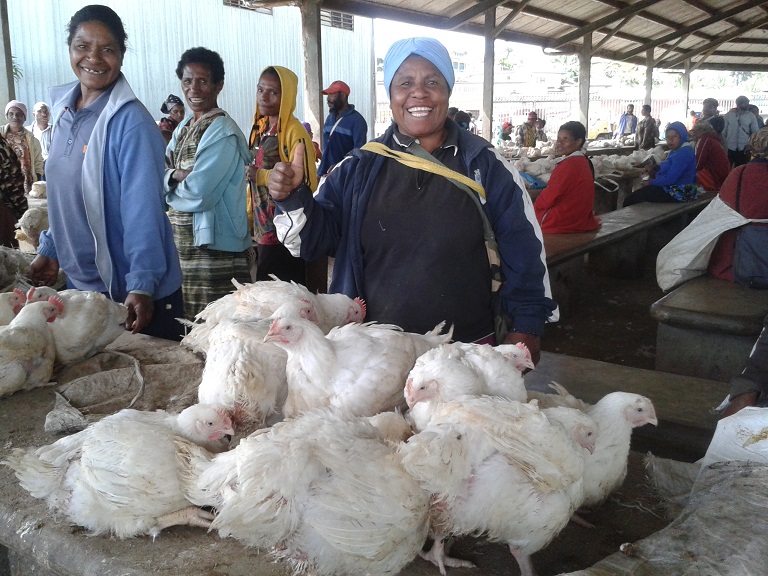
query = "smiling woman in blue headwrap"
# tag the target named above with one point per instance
(675, 179)
(409, 240)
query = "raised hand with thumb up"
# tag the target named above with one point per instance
(285, 177)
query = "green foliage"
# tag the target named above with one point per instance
(18, 73)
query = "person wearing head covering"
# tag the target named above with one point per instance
(41, 127)
(344, 128)
(408, 239)
(275, 135)
(525, 133)
(13, 203)
(674, 180)
(174, 107)
(462, 119)
(205, 186)
(743, 190)
(108, 230)
(505, 133)
(740, 124)
(26, 146)
(308, 128)
(712, 166)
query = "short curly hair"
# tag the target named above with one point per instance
(205, 57)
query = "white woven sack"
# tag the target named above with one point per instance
(687, 254)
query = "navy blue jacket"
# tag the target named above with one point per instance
(329, 225)
(351, 132)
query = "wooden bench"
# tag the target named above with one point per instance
(617, 248)
(683, 403)
(707, 327)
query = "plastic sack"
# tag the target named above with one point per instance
(687, 254)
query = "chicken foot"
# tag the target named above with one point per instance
(438, 555)
(523, 561)
(192, 516)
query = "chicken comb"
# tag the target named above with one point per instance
(21, 294)
(524, 348)
(362, 305)
(224, 415)
(58, 302)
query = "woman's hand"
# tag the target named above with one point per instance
(285, 177)
(140, 311)
(179, 175)
(741, 401)
(43, 271)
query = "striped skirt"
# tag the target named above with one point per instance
(207, 273)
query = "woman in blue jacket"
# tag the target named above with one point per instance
(108, 229)
(675, 179)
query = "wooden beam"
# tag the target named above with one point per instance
(693, 27)
(720, 40)
(612, 33)
(696, 65)
(488, 75)
(630, 10)
(471, 12)
(671, 48)
(509, 17)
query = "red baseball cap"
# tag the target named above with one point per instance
(337, 86)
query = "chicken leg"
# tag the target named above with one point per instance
(192, 516)
(438, 555)
(524, 561)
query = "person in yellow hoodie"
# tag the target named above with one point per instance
(275, 134)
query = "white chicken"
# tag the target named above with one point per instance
(120, 475)
(243, 371)
(10, 305)
(27, 352)
(500, 468)
(263, 299)
(90, 322)
(359, 367)
(616, 414)
(31, 224)
(325, 492)
(452, 370)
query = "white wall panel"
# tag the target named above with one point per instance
(158, 33)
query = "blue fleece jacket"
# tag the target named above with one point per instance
(215, 188)
(122, 193)
(330, 223)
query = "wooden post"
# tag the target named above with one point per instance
(585, 69)
(316, 271)
(313, 64)
(648, 75)
(7, 87)
(686, 89)
(488, 80)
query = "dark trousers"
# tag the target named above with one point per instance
(164, 324)
(737, 157)
(648, 194)
(276, 259)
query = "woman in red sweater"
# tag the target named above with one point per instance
(744, 190)
(712, 165)
(565, 205)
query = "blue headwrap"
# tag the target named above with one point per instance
(428, 48)
(679, 127)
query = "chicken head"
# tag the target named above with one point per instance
(640, 412)
(40, 294)
(206, 423)
(54, 308)
(356, 311)
(420, 391)
(284, 331)
(16, 300)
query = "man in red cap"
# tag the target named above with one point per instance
(525, 134)
(344, 129)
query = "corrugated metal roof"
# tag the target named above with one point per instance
(708, 34)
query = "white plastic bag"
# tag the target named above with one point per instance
(687, 254)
